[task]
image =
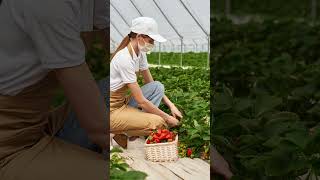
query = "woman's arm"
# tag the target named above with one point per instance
(81, 90)
(147, 77)
(148, 106)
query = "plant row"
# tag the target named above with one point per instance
(266, 98)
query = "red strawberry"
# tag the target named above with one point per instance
(148, 141)
(189, 152)
(157, 140)
(159, 132)
(161, 137)
(165, 131)
(155, 136)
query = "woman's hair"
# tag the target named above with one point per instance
(124, 43)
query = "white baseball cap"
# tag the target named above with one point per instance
(147, 26)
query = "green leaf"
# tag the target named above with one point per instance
(254, 164)
(273, 142)
(206, 138)
(196, 125)
(248, 140)
(194, 136)
(304, 91)
(266, 103)
(299, 138)
(192, 131)
(222, 102)
(222, 141)
(242, 104)
(315, 109)
(227, 121)
(283, 117)
(284, 160)
(134, 175)
(280, 128)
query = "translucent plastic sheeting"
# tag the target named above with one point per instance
(174, 20)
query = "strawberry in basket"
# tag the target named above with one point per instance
(162, 146)
(161, 136)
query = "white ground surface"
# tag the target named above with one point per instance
(184, 168)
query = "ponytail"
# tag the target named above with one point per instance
(124, 43)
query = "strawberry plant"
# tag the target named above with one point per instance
(120, 170)
(196, 59)
(265, 103)
(188, 89)
(274, 8)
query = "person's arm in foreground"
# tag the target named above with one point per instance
(147, 77)
(219, 165)
(148, 106)
(81, 90)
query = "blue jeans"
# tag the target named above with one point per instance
(72, 132)
(153, 91)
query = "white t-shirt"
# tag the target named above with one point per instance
(36, 37)
(101, 16)
(123, 68)
(94, 12)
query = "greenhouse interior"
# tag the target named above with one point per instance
(265, 72)
(181, 64)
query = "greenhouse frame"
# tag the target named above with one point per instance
(191, 35)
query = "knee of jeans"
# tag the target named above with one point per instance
(159, 86)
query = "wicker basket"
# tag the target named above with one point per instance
(162, 152)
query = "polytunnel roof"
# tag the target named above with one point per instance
(187, 19)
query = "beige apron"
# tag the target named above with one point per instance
(28, 148)
(130, 120)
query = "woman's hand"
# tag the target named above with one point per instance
(175, 112)
(171, 121)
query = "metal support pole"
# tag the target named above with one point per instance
(124, 20)
(159, 58)
(134, 5)
(194, 18)
(164, 15)
(115, 27)
(196, 44)
(171, 24)
(181, 50)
